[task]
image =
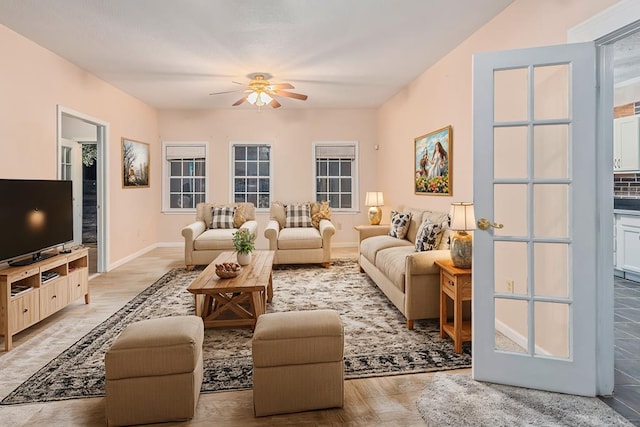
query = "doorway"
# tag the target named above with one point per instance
(81, 159)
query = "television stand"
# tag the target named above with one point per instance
(31, 293)
(39, 256)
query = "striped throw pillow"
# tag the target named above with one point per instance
(222, 217)
(298, 216)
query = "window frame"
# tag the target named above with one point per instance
(232, 170)
(166, 187)
(355, 185)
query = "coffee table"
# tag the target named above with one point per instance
(237, 301)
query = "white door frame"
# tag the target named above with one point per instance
(76, 178)
(603, 29)
(102, 183)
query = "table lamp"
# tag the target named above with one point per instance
(462, 219)
(375, 200)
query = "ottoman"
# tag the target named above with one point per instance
(154, 371)
(297, 362)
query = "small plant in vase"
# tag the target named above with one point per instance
(244, 244)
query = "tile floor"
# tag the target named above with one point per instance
(626, 393)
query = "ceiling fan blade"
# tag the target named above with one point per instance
(277, 86)
(226, 91)
(291, 95)
(239, 101)
(275, 104)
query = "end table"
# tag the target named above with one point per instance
(455, 283)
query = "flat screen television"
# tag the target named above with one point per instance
(35, 216)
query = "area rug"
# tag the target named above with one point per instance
(457, 400)
(377, 341)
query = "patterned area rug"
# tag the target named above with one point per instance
(457, 400)
(377, 341)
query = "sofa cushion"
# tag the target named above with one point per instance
(215, 239)
(240, 216)
(222, 217)
(391, 262)
(399, 224)
(429, 235)
(299, 238)
(370, 246)
(320, 211)
(298, 215)
(278, 213)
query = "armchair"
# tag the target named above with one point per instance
(205, 239)
(300, 242)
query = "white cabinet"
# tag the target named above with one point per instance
(626, 144)
(628, 243)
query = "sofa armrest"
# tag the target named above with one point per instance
(250, 225)
(365, 231)
(192, 231)
(418, 263)
(327, 229)
(271, 232)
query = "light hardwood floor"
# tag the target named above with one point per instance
(373, 401)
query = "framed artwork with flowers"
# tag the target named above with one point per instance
(433, 163)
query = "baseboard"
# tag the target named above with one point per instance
(344, 245)
(131, 257)
(170, 245)
(517, 338)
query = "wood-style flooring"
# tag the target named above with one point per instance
(385, 401)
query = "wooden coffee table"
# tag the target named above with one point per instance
(238, 301)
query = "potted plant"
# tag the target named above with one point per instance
(244, 244)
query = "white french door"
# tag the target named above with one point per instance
(71, 170)
(534, 278)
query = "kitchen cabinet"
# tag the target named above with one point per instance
(627, 238)
(626, 144)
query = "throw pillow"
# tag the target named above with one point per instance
(447, 234)
(429, 235)
(222, 217)
(298, 215)
(400, 222)
(240, 216)
(323, 212)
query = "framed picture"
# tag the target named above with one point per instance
(135, 164)
(433, 163)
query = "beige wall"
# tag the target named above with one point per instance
(442, 96)
(33, 81)
(291, 132)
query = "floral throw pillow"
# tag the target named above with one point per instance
(222, 217)
(323, 212)
(429, 235)
(399, 224)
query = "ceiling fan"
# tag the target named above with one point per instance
(261, 92)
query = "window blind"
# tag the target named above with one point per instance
(175, 152)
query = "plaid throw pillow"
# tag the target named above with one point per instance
(298, 216)
(222, 217)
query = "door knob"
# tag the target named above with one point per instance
(484, 223)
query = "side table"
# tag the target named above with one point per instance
(455, 283)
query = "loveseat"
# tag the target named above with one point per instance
(300, 233)
(212, 232)
(407, 276)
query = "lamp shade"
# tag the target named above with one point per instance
(462, 216)
(374, 198)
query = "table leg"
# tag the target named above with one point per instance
(457, 321)
(443, 309)
(270, 288)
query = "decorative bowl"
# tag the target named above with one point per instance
(228, 270)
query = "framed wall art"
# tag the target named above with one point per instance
(433, 163)
(135, 164)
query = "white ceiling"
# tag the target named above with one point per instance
(172, 54)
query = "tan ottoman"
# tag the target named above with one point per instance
(298, 362)
(154, 371)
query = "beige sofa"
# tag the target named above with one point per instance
(408, 278)
(300, 245)
(202, 244)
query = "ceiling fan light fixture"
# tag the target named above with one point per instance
(252, 97)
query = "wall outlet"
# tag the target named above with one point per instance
(510, 286)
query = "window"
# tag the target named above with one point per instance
(251, 165)
(336, 174)
(184, 175)
(65, 164)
